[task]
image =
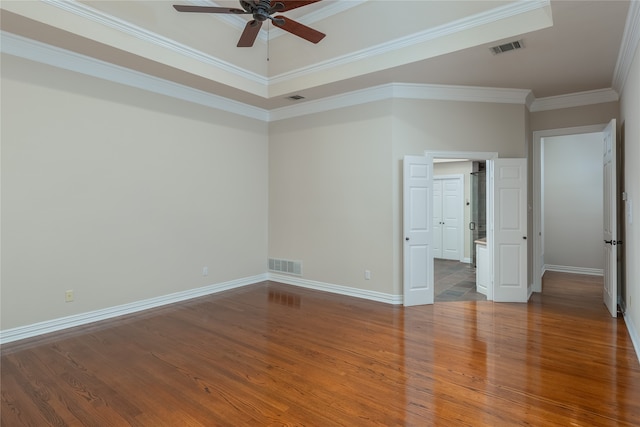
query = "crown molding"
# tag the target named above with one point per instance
(40, 52)
(628, 46)
(404, 91)
(97, 16)
(461, 93)
(578, 99)
(468, 23)
(62, 58)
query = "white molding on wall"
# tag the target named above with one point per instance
(140, 33)
(633, 333)
(483, 18)
(628, 46)
(61, 323)
(577, 99)
(337, 289)
(41, 328)
(405, 91)
(61, 58)
(574, 270)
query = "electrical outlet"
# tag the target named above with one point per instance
(205, 271)
(68, 295)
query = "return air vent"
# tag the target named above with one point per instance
(507, 47)
(285, 266)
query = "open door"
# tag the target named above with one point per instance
(417, 225)
(610, 216)
(508, 222)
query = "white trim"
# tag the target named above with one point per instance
(58, 324)
(578, 99)
(140, 33)
(633, 333)
(406, 91)
(460, 93)
(337, 289)
(573, 270)
(484, 18)
(628, 46)
(61, 58)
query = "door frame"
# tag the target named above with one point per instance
(460, 238)
(470, 155)
(537, 201)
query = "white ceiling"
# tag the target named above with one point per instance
(570, 45)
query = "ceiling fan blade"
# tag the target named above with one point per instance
(298, 29)
(293, 4)
(208, 9)
(250, 33)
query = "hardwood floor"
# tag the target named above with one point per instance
(272, 354)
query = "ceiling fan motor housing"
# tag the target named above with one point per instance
(261, 9)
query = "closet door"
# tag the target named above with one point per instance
(451, 218)
(447, 218)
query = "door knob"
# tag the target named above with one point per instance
(524, 237)
(610, 242)
(406, 238)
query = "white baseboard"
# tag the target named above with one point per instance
(61, 323)
(337, 289)
(633, 332)
(574, 270)
(466, 260)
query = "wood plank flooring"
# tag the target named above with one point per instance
(276, 355)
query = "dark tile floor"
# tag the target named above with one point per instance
(455, 281)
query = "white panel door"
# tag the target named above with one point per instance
(509, 229)
(437, 218)
(451, 218)
(610, 225)
(417, 222)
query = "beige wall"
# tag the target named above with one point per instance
(630, 117)
(335, 180)
(330, 195)
(120, 194)
(574, 117)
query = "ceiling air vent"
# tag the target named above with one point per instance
(507, 47)
(295, 97)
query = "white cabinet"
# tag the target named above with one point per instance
(482, 267)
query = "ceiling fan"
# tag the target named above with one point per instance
(261, 11)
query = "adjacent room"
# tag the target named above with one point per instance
(336, 212)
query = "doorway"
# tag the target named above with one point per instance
(455, 279)
(540, 260)
(506, 240)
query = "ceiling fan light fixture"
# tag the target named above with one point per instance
(295, 97)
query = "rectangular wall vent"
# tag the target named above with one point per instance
(507, 47)
(285, 266)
